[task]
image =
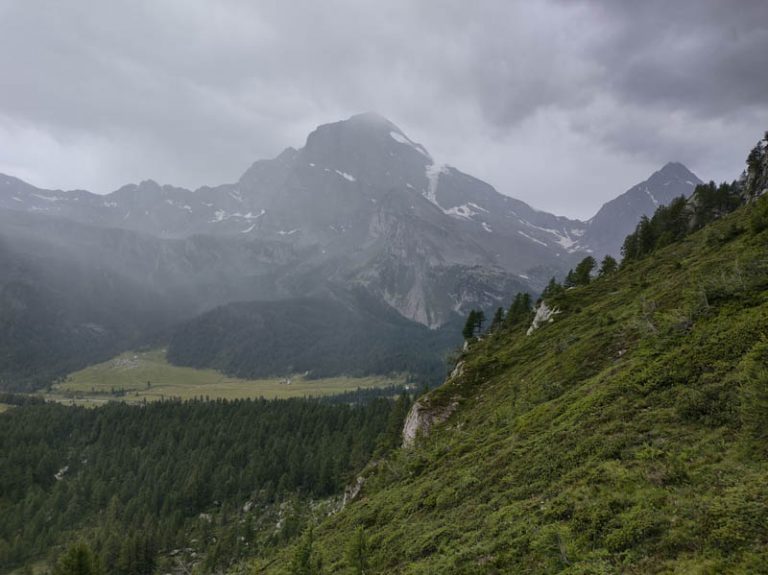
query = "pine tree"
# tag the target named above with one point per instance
(583, 271)
(498, 319)
(553, 289)
(469, 327)
(519, 310)
(608, 266)
(629, 248)
(479, 320)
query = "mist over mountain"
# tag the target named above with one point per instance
(361, 207)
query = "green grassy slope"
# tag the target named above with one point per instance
(627, 436)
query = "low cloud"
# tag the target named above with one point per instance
(562, 104)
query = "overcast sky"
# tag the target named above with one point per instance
(563, 104)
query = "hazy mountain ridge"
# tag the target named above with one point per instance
(372, 204)
(360, 206)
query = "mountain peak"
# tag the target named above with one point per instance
(607, 228)
(369, 124)
(677, 169)
(371, 119)
(368, 142)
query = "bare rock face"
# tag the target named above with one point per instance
(544, 314)
(353, 490)
(422, 417)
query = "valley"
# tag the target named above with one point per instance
(137, 377)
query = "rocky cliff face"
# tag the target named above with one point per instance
(424, 415)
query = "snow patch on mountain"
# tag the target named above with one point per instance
(47, 198)
(653, 198)
(465, 210)
(402, 139)
(567, 239)
(433, 172)
(345, 175)
(221, 215)
(522, 233)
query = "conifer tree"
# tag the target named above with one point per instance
(583, 271)
(570, 279)
(519, 310)
(608, 266)
(553, 288)
(469, 327)
(479, 320)
(498, 319)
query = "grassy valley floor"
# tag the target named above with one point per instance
(148, 376)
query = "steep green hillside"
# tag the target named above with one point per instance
(628, 435)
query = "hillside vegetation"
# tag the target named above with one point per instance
(627, 435)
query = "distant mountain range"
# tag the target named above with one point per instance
(360, 207)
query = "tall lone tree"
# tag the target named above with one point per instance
(582, 275)
(480, 319)
(498, 319)
(469, 327)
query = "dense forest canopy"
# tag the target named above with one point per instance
(140, 481)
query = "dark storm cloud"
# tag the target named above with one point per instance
(563, 104)
(703, 56)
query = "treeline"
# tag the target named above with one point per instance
(673, 222)
(519, 312)
(140, 482)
